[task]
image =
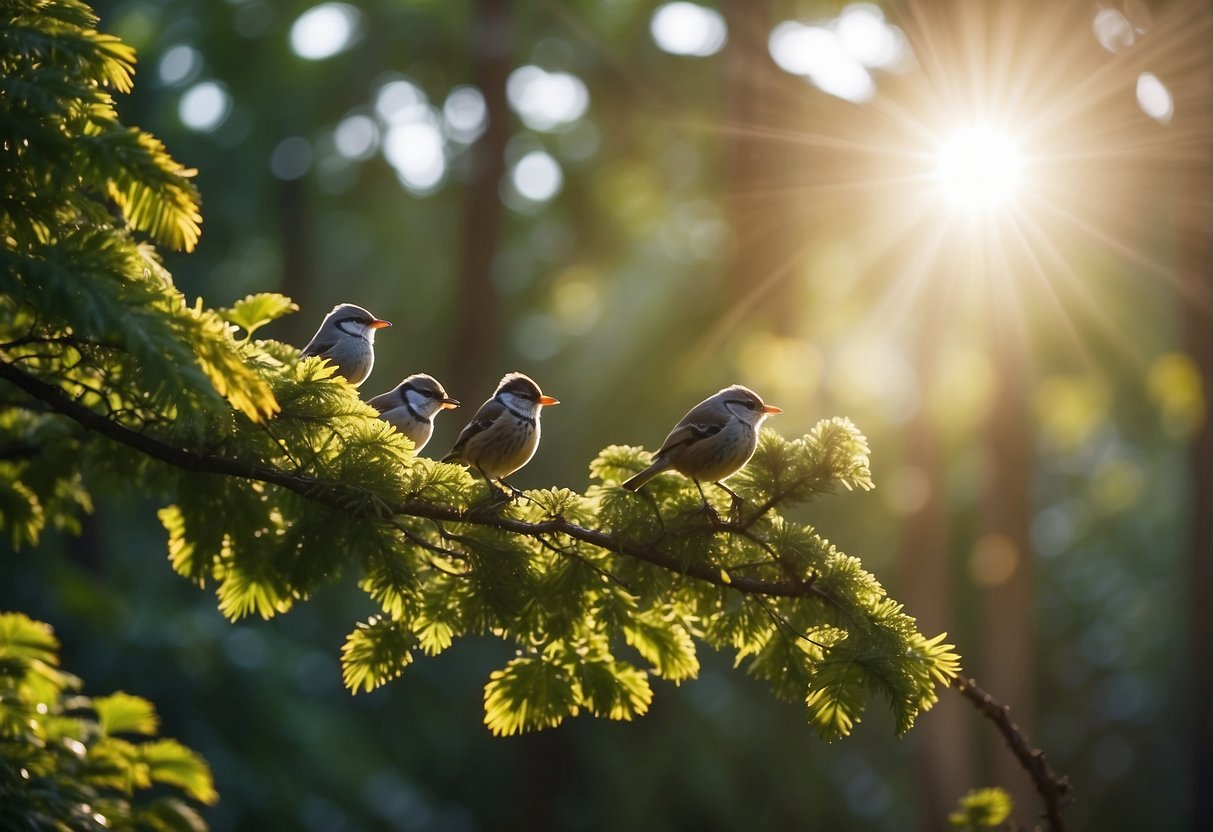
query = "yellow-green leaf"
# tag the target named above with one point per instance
(121, 713)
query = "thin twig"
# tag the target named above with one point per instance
(425, 544)
(1053, 789)
(569, 553)
(787, 626)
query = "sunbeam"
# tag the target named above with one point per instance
(979, 168)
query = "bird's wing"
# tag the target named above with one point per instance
(316, 347)
(488, 413)
(384, 401)
(704, 420)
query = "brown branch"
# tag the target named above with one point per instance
(333, 494)
(1053, 789)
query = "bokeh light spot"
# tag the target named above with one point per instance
(1154, 98)
(292, 158)
(1052, 531)
(1070, 408)
(417, 152)
(994, 559)
(576, 300)
(325, 30)
(867, 38)
(401, 101)
(204, 106)
(465, 114)
(546, 100)
(1174, 386)
(537, 176)
(1117, 485)
(818, 54)
(356, 137)
(179, 64)
(688, 29)
(1113, 30)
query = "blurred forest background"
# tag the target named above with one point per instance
(637, 204)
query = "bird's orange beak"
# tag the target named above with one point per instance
(771, 409)
(448, 403)
(546, 400)
(378, 324)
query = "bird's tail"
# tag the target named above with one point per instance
(636, 482)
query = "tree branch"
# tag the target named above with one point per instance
(331, 493)
(1053, 789)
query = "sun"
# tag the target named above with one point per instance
(978, 168)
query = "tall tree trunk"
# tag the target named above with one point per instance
(942, 753)
(1194, 121)
(757, 166)
(1004, 557)
(298, 273)
(476, 332)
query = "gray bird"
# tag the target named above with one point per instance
(412, 405)
(504, 433)
(347, 338)
(713, 441)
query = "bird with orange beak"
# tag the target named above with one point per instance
(412, 405)
(346, 337)
(713, 441)
(504, 434)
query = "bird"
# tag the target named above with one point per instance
(713, 441)
(504, 433)
(346, 337)
(412, 405)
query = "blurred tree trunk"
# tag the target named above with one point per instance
(757, 166)
(476, 325)
(943, 758)
(1194, 119)
(298, 274)
(1008, 623)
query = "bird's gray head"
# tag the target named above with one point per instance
(517, 392)
(423, 394)
(348, 320)
(745, 404)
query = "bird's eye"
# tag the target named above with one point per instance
(752, 405)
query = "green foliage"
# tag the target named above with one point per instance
(981, 809)
(255, 311)
(82, 299)
(65, 759)
(56, 75)
(375, 652)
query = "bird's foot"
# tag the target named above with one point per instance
(712, 514)
(514, 494)
(494, 498)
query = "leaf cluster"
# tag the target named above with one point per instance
(981, 809)
(73, 762)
